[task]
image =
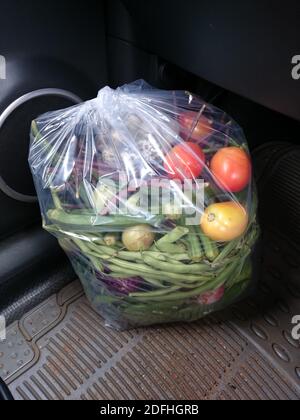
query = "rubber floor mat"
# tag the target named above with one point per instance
(62, 349)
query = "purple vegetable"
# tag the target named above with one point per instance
(122, 286)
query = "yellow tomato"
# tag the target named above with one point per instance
(223, 222)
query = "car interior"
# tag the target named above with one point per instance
(237, 56)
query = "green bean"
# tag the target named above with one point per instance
(157, 283)
(195, 249)
(166, 284)
(178, 268)
(208, 286)
(126, 273)
(244, 244)
(100, 248)
(226, 251)
(95, 241)
(83, 247)
(139, 256)
(134, 267)
(172, 258)
(129, 256)
(87, 237)
(100, 251)
(157, 292)
(90, 219)
(179, 296)
(98, 266)
(210, 248)
(159, 255)
(92, 253)
(132, 256)
(135, 271)
(177, 258)
(153, 282)
(169, 248)
(173, 236)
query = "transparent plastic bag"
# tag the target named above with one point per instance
(150, 194)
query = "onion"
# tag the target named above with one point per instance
(110, 239)
(138, 238)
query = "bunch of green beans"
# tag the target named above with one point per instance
(182, 265)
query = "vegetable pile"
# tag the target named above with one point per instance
(103, 170)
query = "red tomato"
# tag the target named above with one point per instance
(232, 169)
(190, 130)
(185, 161)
